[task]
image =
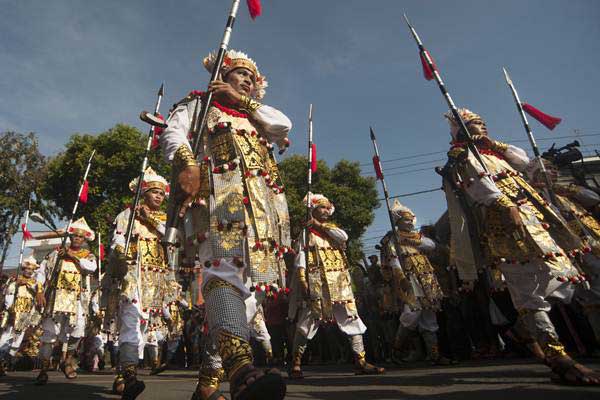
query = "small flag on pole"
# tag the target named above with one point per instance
(101, 252)
(427, 72)
(83, 197)
(254, 8)
(377, 166)
(26, 234)
(313, 161)
(157, 132)
(547, 120)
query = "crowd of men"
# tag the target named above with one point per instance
(483, 280)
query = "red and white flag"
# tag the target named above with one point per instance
(26, 234)
(427, 72)
(377, 167)
(547, 120)
(101, 252)
(83, 197)
(313, 159)
(254, 8)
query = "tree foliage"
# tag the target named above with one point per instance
(22, 170)
(354, 196)
(118, 159)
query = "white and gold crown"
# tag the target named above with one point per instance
(151, 181)
(402, 213)
(81, 227)
(318, 200)
(236, 59)
(466, 115)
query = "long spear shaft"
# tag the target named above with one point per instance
(308, 180)
(385, 192)
(23, 238)
(138, 190)
(99, 259)
(199, 124)
(442, 86)
(63, 243)
(530, 136)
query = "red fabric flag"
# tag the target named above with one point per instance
(254, 7)
(548, 121)
(101, 251)
(313, 160)
(427, 72)
(26, 234)
(156, 133)
(83, 197)
(377, 167)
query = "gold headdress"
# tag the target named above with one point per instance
(151, 181)
(318, 200)
(466, 115)
(403, 213)
(80, 227)
(236, 59)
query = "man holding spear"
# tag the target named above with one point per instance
(238, 223)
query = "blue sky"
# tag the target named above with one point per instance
(80, 66)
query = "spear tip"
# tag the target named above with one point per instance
(310, 107)
(506, 76)
(372, 133)
(161, 91)
(406, 19)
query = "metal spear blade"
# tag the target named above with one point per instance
(310, 107)
(372, 133)
(507, 77)
(161, 91)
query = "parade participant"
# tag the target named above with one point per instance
(577, 205)
(64, 315)
(144, 280)
(416, 284)
(322, 291)
(238, 224)
(520, 234)
(23, 302)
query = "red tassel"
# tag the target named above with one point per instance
(26, 234)
(254, 8)
(313, 160)
(548, 121)
(377, 166)
(101, 252)
(83, 197)
(427, 72)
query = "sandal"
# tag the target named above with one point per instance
(158, 369)
(266, 386)
(295, 374)
(118, 385)
(567, 371)
(369, 369)
(68, 370)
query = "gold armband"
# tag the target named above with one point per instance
(183, 158)
(499, 147)
(502, 202)
(302, 274)
(249, 105)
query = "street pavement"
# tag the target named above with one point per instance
(492, 380)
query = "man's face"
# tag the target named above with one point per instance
(373, 260)
(77, 241)
(477, 127)
(27, 271)
(321, 213)
(242, 80)
(153, 198)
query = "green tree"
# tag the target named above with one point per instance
(118, 159)
(354, 196)
(22, 170)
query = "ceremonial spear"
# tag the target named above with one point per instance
(26, 235)
(154, 122)
(312, 167)
(379, 174)
(531, 138)
(431, 72)
(63, 244)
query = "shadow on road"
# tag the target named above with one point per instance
(20, 388)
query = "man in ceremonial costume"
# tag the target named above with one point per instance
(66, 294)
(415, 283)
(238, 223)
(519, 233)
(322, 291)
(144, 281)
(578, 204)
(24, 298)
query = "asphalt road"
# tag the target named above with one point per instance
(494, 380)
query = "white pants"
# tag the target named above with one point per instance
(10, 341)
(58, 328)
(531, 286)
(308, 324)
(423, 320)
